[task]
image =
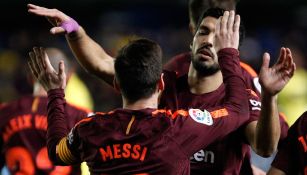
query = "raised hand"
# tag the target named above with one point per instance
(61, 22)
(227, 31)
(274, 79)
(43, 71)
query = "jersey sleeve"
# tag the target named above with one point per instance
(179, 64)
(57, 124)
(201, 127)
(69, 148)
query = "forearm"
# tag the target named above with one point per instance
(57, 128)
(235, 96)
(91, 55)
(268, 126)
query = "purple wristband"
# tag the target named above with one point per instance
(70, 26)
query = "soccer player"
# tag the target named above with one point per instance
(23, 130)
(181, 63)
(291, 157)
(139, 138)
(202, 87)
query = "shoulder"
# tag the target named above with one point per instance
(301, 123)
(95, 117)
(251, 77)
(182, 57)
(248, 70)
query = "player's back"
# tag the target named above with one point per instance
(291, 157)
(23, 131)
(129, 142)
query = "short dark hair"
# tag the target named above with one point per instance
(55, 56)
(138, 68)
(197, 7)
(216, 13)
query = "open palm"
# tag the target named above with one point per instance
(44, 72)
(54, 16)
(274, 79)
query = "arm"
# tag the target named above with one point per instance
(263, 135)
(89, 54)
(54, 82)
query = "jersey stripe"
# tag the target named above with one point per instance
(130, 124)
(35, 104)
(248, 69)
(219, 113)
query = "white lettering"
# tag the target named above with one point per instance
(203, 156)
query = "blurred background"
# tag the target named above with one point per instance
(269, 25)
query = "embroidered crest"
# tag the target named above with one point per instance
(200, 116)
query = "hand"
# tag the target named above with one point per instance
(57, 18)
(227, 31)
(274, 79)
(44, 72)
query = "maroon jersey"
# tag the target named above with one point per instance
(23, 131)
(232, 153)
(147, 141)
(292, 153)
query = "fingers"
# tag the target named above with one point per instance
(236, 25)
(50, 13)
(230, 20)
(57, 30)
(265, 61)
(61, 68)
(293, 65)
(224, 21)
(34, 64)
(282, 56)
(33, 70)
(45, 60)
(39, 60)
(218, 26)
(32, 6)
(289, 63)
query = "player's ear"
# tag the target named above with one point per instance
(192, 28)
(116, 85)
(161, 83)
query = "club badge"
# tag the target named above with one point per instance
(200, 116)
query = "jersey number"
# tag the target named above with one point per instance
(20, 162)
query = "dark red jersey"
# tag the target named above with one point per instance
(148, 141)
(230, 154)
(292, 153)
(23, 130)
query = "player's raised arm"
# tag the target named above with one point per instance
(264, 135)
(90, 55)
(53, 81)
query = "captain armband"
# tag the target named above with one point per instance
(63, 152)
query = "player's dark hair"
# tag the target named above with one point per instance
(197, 7)
(216, 13)
(138, 68)
(55, 56)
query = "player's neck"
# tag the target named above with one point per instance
(38, 90)
(204, 84)
(151, 102)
